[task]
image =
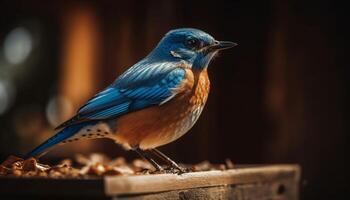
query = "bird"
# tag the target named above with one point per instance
(153, 103)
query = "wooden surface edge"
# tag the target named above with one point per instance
(14, 187)
(166, 182)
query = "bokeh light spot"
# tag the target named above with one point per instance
(58, 108)
(17, 45)
(7, 92)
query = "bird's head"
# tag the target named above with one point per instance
(191, 45)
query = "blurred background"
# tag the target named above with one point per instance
(279, 97)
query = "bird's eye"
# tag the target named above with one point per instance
(193, 43)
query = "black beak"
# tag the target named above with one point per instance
(221, 45)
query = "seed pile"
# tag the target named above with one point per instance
(93, 165)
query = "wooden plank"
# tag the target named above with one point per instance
(13, 187)
(243, 183)
(167, 182)
(262, 191)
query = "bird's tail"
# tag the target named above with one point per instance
(59, 137)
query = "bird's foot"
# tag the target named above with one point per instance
(177, 170)
(160, 171)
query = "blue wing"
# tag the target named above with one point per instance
(141, 86)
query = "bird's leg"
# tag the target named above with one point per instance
(149, 159)
(166, 159)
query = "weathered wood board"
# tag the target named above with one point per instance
(249, 182)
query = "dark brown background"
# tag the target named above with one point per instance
(279, 97)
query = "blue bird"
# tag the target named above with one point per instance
(153, 103)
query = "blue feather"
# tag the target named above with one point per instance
(139, 87)
(106, 98)
(59, 137)
(110, 112)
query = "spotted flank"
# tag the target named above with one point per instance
(72, 133)
(99, 130)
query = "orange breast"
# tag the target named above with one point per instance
(161, 124)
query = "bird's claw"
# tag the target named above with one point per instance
(177, 170)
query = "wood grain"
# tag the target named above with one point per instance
(167, 182)
(243, 183)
